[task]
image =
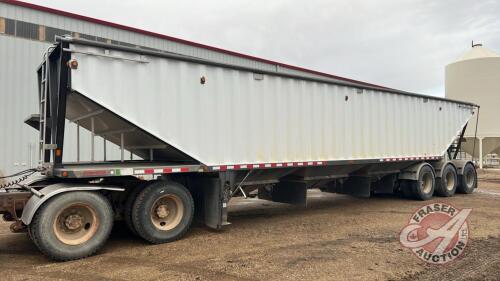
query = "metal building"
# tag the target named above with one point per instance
(475, 77)
(27, 30)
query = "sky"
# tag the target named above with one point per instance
(402, 44)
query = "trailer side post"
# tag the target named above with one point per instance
(92, 143)
(77, 141)
(104, 148)
(122, 148)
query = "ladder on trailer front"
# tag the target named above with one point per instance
(44, 89)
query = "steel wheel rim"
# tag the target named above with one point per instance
(76, 224)
(167, 212)
(450, 181)
(427, 183)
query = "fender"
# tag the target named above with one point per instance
(52, 190)
(412, 172)
(439, 166)
(36, 180)
(460, 164)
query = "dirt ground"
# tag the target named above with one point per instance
(335, 237)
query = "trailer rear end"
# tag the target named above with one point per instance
(191, 134)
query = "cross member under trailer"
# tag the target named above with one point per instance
(188, 131)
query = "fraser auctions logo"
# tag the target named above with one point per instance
(437, 233)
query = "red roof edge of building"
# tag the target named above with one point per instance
(174, 39)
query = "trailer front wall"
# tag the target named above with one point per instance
(241, 117)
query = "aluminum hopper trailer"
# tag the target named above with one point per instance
(201, 132)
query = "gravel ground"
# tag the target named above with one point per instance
(336, 237)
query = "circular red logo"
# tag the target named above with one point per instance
(437, 233)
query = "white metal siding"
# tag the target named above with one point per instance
(70, 24)
(19, 99)
(235, 119)
(19, 59)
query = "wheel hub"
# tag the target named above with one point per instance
(162, 211)
(76, 224)
(73, 222)
(167, 212)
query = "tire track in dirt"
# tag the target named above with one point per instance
(481, 261)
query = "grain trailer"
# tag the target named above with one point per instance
(193, 133)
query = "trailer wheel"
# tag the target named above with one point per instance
(72, 225)
(468, 179)
(129, 204)
(423, 188)
(163, 212)
(7, 217)
(405, 188)
(447, 184)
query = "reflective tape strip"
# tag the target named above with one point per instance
(310, 163)
(161, 171)
(410, 158)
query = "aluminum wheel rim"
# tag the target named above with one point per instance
(427, 183)
(76, 224)
(167, 212)
(450, 181)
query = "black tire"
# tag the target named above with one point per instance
(144, 218)
(42, 227)
(31, 236)
(446, 185)
(467, 180)
(423, 188)
(7, 217)
(129, 204)
(405, 188)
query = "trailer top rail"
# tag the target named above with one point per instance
(232, 66)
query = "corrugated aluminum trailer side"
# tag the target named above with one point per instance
(202, 132)
(223, 115)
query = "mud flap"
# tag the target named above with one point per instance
(210, 203)
(291, 192)
(215, 207)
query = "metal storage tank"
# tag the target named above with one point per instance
(475, 77)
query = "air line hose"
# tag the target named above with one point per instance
(22, 176)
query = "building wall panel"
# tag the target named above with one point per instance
(81, 26)
(19, 59)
